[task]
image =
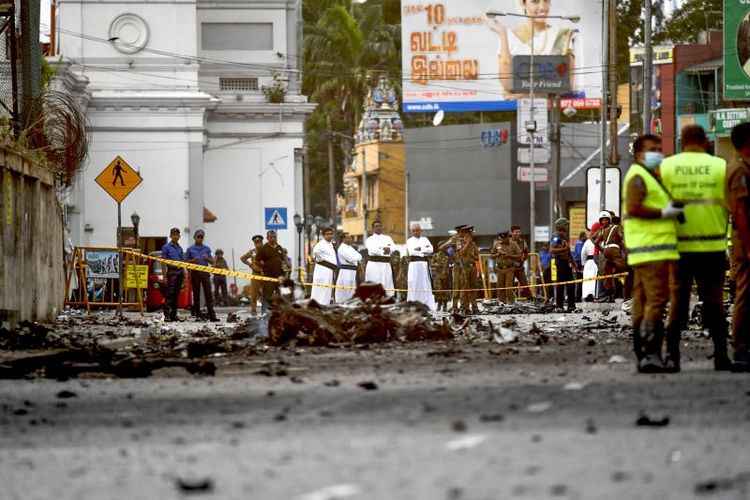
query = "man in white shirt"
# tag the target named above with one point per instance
(379, 248)
(349, 259)
(419, 249)
(326, 266)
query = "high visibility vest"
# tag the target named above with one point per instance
(649, 240)
(698, 180)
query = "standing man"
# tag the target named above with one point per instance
(379, 249)
(464, 271)
(326, 266)
(419, 280)
(271, 260)
(506, 253)
(739, 203)
(441, 271)
(582, 237)
(609, 240)
(519, 273)
(201, 254)
(175, 275)
(560, 250)
(349, 260)
(698, 180)
(651, 239)
(220, 281)
(250, 259)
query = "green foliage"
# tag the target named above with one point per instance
(346, 49)
(276, 92)
(693, 18)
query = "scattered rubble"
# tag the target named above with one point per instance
(645, 420)
(192, 486)
(356, 322)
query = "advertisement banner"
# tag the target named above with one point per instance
(103, 264)
(736, 50)
(724, 120)
(456, 58)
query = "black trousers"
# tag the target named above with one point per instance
(708, 271)
(565, 273)
(174, 285)
(201, 280)
(220, 290)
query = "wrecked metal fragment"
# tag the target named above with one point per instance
(644, 420)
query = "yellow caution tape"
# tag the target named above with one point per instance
(243, 275)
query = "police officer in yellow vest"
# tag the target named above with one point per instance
(698, 180)
(651, 241)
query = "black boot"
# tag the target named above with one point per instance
(741, 362)
(652, 336)
(672, 362)
(722, 363)
(637, 346)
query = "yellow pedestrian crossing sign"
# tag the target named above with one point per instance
(275, 218)
(118, 179)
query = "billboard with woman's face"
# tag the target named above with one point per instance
(736, 50)
(457, 58)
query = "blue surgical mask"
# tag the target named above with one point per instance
(652, 159)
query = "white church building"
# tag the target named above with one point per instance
(175, 87)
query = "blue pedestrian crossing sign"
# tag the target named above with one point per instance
(275, 218)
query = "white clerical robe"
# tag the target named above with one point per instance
(347, 277)
(380, 272)
(590, 269)
(419, 282)
(323, 251)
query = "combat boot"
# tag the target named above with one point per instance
(722, 362)
(637, 346)
(672, 361)
(741, 362)
(652, 336)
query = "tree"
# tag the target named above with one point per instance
(692, 19)
(346, 48)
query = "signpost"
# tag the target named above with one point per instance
(724, 120)
(276, 218)
(119, 179)
(541, 174)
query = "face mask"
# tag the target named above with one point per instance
(652, 159)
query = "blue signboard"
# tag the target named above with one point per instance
(275, 218)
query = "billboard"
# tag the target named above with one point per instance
(455, 58)
(736, 50)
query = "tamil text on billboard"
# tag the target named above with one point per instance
(456, 58)
(736, 50)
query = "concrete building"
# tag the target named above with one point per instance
(203, 99)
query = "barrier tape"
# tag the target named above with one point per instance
(243, 275)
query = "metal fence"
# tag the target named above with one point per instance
(9, 66)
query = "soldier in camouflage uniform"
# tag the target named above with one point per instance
(464, 270)
(441, 273)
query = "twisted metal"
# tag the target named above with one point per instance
(55, 127)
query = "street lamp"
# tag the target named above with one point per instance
(299, 225)
(136, 220)
(531, 124)
(318, 223)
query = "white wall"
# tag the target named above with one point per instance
(239, 183)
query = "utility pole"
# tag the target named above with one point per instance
(614, 154)
(331, 174)
(603, 106)
(364, 192)
(31, 56)
(554, 180)
(648, 68)
(531, 129)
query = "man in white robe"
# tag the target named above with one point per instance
(349, 259)
(379, 249)
(419, 249)
(326, 265)
(590, 271)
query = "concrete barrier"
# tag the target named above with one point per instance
(31, 242)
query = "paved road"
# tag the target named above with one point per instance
(460, 420)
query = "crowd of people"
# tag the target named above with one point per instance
(674, 234)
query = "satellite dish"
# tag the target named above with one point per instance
(438, 118)
(569, 111)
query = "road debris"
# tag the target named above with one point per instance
(645, 420)
(195, 486)
(355, 322)
(335, 492)
(617, 360)
(719, 485)
(539, 407)
(465, 443)
(368, 386)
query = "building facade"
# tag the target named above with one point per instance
(203, 99)
(375, 183)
